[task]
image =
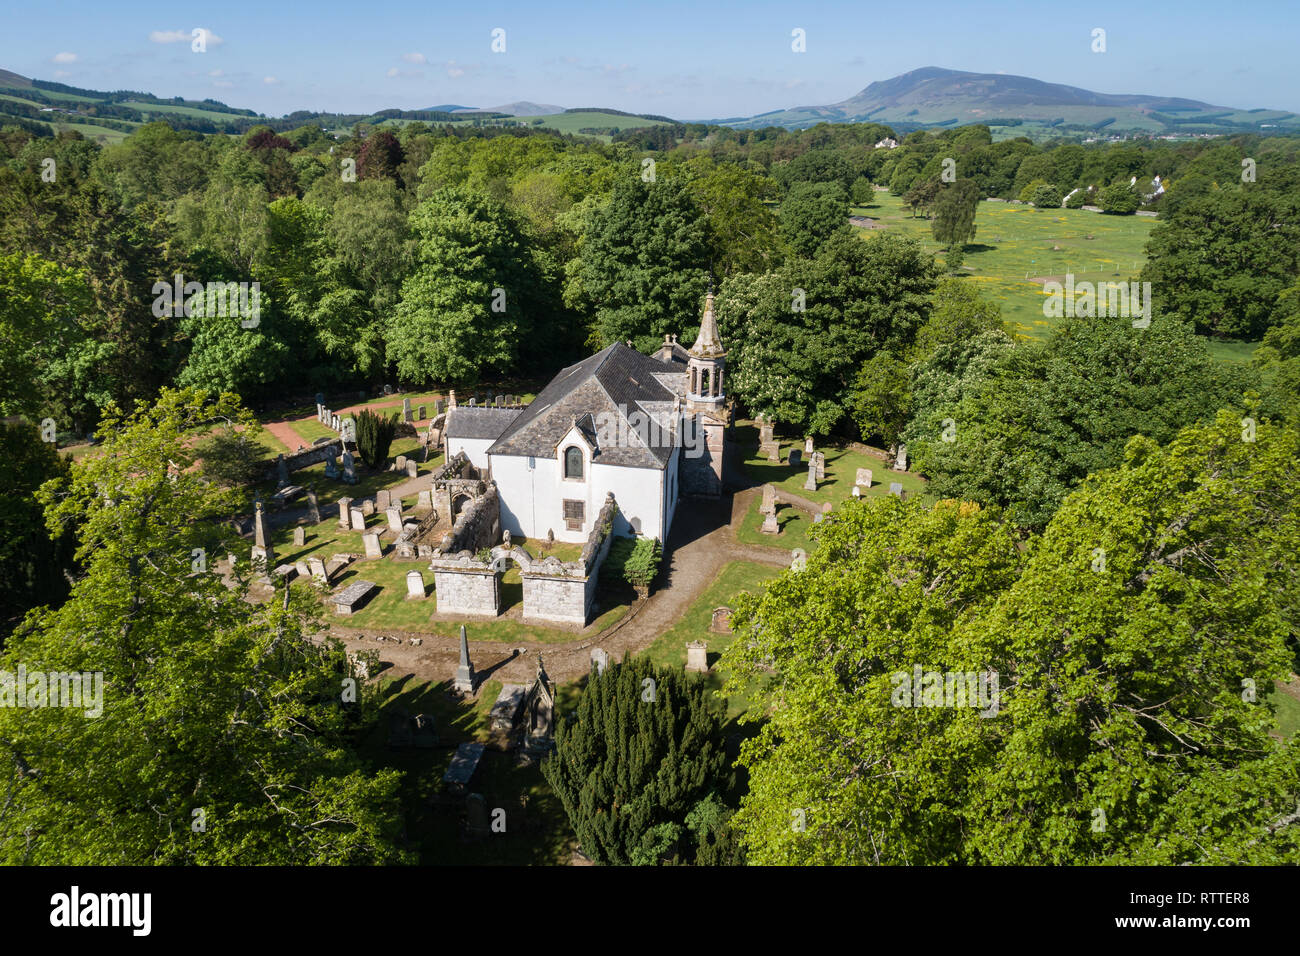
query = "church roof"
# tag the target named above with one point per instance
(672, 352)
(616, 381)
(479, 421)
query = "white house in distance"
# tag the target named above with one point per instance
(650, 429)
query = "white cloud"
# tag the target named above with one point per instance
(453, 70)
(184, 36)
(217, 73)
(64, 58)
(393, 71)
(414, 58)
(222, 83)
(270, 80)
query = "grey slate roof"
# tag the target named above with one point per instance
(479, 421)
(616, 381)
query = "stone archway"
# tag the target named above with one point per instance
(458, 502)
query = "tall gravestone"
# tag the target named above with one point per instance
(414, 586)
(863, 477)
(281, 472)
(263, 550)
(407, 414)
(768, 504)
(383, 498)
(345, 514)
(374, 549)
(349, 468)
(299, 536)
(464, 680)
(313, 507)
(394, 516)
(810, 483)
(819, 459)
(697, 657)
(358, 519)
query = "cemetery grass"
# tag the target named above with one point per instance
(842, 466)
(536, 834)
(368, 482)
(669, 648)
(389, 609)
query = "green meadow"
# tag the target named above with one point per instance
(1015, 245)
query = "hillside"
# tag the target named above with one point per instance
(933, 96)
(109, 117)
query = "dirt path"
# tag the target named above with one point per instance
(284, 431)
(699, 545)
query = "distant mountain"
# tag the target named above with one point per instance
(13, 81)
(518, 108)
(446, 108)
(933, 96)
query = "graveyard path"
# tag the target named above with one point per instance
(284, 432)
(701, 543)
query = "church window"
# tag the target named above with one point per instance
(573, 462)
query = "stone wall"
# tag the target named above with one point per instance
(466, 586)
(477, 526)
(311, 456)
(701, 476)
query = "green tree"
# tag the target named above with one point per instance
(1118, 199)
(374, 437)
(223, 736)
(472, 298)
(645, 262)
(811, 214)
(35, 563)
(954, 213)
(639, 756)
(1221, 262)
(1045, 416)
(882, 398)
(1046, 196)
(1119, 731)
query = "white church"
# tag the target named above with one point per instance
(650, 429)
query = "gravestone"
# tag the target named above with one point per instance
(464, 679)
(599, 659)
(796, 457)
(332, 468)
(263, 552)
(367, 507)
(721, 620)
(426, 734)
(769, 524)
(407, 414)
(477, 819)
(808, 445)
(511, 399)
(424, 499)
(316, 567)
(765, 432)
(383, 499)
(303, 568)
(400, 463)
(819, 459)
(505, 711)
(768, 504)
(394, 516)
(817, 518)
(420, 414)
(414, 586)
(473, 402)
(313, 508)
(697, 657)
(388, 390)
(349, 469)
(895, 489)
(439, 406)
(774, 452)
(810, 483)
(857, 491)
(358, 519)
(501, 401)
(281, 472)
(900, 459)
(334, 422)
(374, 550)
(864, 477)
(826, 507)
(352, 597)
(345, 514)
(348, 430)
(299, 536)
(412, 468)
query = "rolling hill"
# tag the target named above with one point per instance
(934, 96)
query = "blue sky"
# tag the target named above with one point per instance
(686, 60)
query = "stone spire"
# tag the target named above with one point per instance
(451, 399)
(708, 344)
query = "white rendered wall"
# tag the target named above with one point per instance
(475, 450)
(532, 498)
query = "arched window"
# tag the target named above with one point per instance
(573, 462)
